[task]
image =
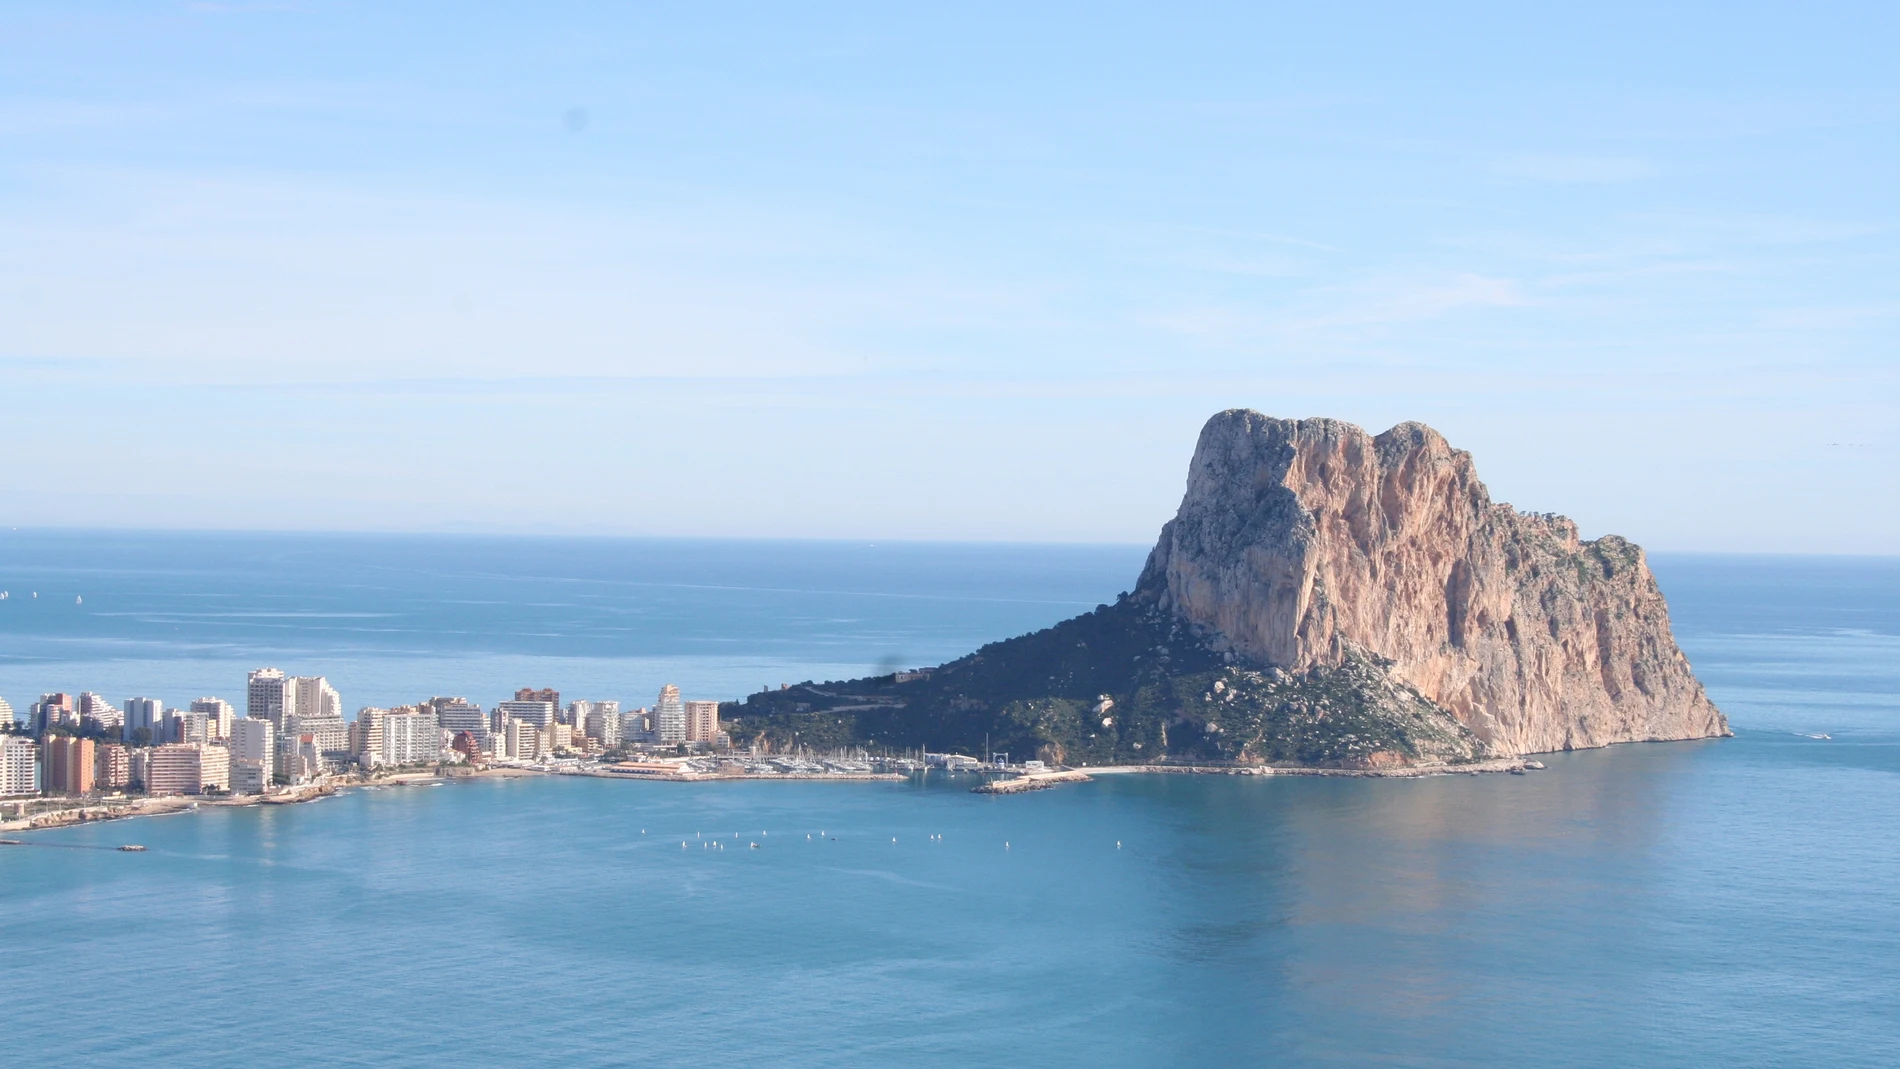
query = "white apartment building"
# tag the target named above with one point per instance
(521, 740)
(250, 777)
(19, 766)
(539, 714)
(253, 755)
(366, 736)
(460, 714)
(185, 726)
(669, 715)
(99, 714)
(316, 699)
(219, 715)
(604, 722)
(411, 738)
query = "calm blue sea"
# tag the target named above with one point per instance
(1732, 903)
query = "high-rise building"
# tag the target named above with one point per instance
(219, 715)
(669, 716)
(144, 721)
(182, 725)
(316, 699)
(460, 714)
(268, 695)
(545, 694)
(187, 768)
(366, 736)
(8, 721)
(251, 739)
(98, 714)
(602, 721)
(534, 711)
(68, 764)
(112, 767)
(253, 755)
(52, 710)
(702, 721)
(313, 707)
(19, 767)
(521, 740)
(411, 737)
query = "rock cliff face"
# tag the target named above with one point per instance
(1303, 544)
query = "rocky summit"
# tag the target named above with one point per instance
(1324, 597)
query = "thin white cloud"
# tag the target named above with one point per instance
(1575, 169)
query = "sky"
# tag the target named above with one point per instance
(953, 272)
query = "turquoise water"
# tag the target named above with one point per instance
(1733, 902)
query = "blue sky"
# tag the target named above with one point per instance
(979, 272)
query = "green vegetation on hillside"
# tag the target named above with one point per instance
(1125, 683)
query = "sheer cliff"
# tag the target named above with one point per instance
(1299, 540)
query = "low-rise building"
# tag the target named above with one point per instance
(187, 768)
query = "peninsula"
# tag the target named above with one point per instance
(1323, 599)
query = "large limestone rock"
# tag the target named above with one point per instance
(1301, 543)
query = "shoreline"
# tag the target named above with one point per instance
(104, 811)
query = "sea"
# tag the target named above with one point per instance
(1728, 902)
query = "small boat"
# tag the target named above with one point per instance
(754, 846)
(132, 848)
(12, 842)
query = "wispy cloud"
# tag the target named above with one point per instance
(1575, 169)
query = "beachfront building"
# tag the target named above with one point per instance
(669, 716)
(144, 721)
(253, 752)
(187, 768)
(366, 736)
(702, 721)
(411, 736)
(300, 758)
(19, 767)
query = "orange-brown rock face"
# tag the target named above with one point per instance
(1300, 539)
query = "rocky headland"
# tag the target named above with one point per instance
(1324, 598)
